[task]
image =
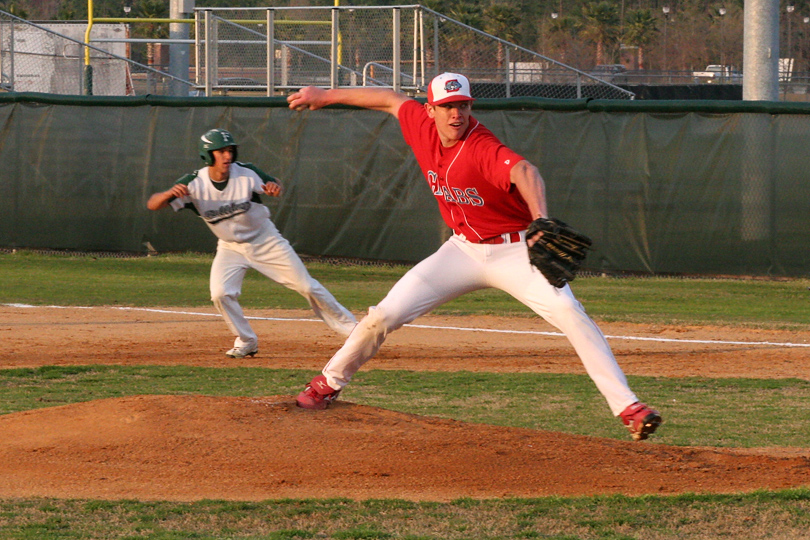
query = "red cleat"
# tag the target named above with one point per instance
(317, 394)
(641, 420)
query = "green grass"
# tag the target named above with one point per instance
(752, 411)
(784, 515)
(753, 303)
(169, 280)
(182, 280)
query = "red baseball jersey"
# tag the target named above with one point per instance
(470, 180)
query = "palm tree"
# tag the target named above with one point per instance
(461, 39)
(15, 8)
(639, 31)
(502, 21)
(564, 31)
(469, 14)
(600, 24)
(153, 9)
(439, 6)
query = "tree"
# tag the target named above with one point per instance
(582, 27)
(531, 13)
(66, 12)
(502, 21)
(15, 8)
(464, 41)
(152, 9)
(439, 6)
(467, 13)
(600, 24)
(71, 10)
(640, 29)
(564, 32)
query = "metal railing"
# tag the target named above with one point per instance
(34, 58)
(369, 68)
(283, 48)
(272, 51)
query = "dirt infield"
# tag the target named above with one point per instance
(196, 447)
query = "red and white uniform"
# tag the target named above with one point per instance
(470, 180)
(471, 183)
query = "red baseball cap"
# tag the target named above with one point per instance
(447, 88)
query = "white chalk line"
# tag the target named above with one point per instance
(457, 328)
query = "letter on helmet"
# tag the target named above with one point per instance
(215, 139)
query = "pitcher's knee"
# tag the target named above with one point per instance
(304, 288)
(376, 322)
(565, 303)
(220, 297)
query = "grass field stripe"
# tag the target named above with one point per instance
(457, 328)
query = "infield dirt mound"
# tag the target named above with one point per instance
(198, 447)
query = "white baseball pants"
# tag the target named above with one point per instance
(460, 267)
(272, 256)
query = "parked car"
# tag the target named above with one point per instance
(238, 86)
(717, 73)
(607, 72)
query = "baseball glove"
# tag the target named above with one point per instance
(559, 252)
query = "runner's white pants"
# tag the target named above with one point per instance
(460, 267)
(273, 256)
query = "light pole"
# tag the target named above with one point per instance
(665, 9)
(806, 20)
(804, 41)
(554, 16)
(722, 12)
(127, 9)
(790, 9)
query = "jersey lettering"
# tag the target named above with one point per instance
(453, 194)
(461, 198)
(433, 180)
(226, 211)
(475, 199)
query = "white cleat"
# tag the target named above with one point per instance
(241, 352)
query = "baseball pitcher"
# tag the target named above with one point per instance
(495, 203)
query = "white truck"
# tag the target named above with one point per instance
(717, 73)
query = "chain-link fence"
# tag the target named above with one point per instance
(53, 58)
(280, 49)
(269, 51)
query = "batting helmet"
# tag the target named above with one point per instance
(215, 139)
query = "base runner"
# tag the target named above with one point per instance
(225, 194)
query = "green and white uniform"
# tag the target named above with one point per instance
(234, 212)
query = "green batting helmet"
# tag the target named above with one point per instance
(215, 139)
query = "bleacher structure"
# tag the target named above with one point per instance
(51, 57)
(272, 51)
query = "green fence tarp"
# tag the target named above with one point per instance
(707, 187)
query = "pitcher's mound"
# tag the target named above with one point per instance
(198, 447)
